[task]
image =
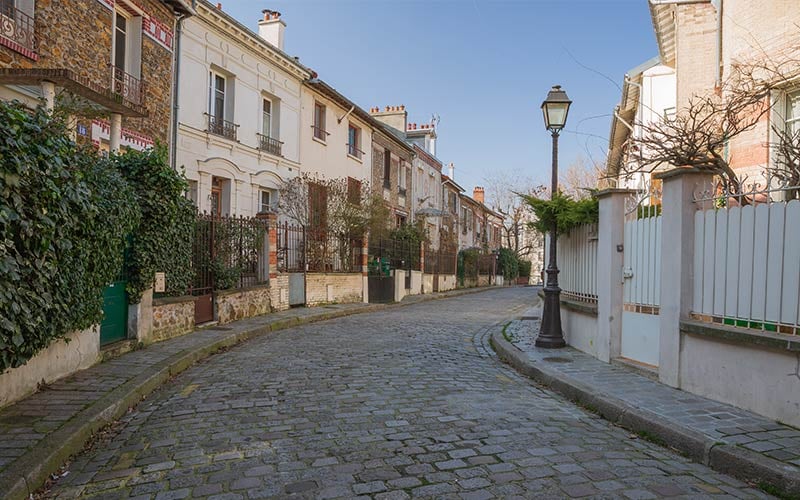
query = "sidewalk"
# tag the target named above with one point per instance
(728, 439)
(39, 433)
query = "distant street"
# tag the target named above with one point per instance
(408, 402)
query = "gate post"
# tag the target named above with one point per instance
(365, 268)
(677, 262)
(269, 247)
(610, 253)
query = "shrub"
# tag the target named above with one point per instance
(64, 215)
(562, 209)
(525, 268)
(508, 264)
(163, 240)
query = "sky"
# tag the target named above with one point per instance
(483, 66)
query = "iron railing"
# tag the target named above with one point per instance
(269, 144)
(126, 85)
(221, 127)
(316, 250)
(440, 261)
(320, 133)
(17, 26)
(353, 150)
(390, 253)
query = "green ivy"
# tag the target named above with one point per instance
(64, 214)
(163, 240)
(562, 209)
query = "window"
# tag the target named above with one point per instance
(354, 141)
(265, 201)
(120, 41)
(319, 122)
(219, 106)
(216, 97)
(266, 118)
(401, 220)
(793, 112)
(126, 45)
(402, 176)
(453, 202)
(354, 191)
(317, 205)
(191, 193)
(387, 169)
(216, 196)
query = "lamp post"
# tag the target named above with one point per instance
(555, 109)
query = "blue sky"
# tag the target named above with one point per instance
(483, 66)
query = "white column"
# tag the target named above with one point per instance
(115, 138)
(677, 263)
(610, 252)
(49, 94)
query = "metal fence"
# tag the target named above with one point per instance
(316, 250)
(389, 253)
(577, 262)
(229, 252)
(440, 261)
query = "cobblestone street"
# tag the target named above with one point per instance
(401, 403)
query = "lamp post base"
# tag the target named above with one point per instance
(550, 334)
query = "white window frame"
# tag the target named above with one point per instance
(212, 94)
(133, 43)
(791, 123)
(261, 193)
(267, 130)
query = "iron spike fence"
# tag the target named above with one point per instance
(440, 261)
(316, 250)
(390, 253)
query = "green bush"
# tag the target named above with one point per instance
(467, 265)
(562, 209)
(64, 214)
(525, 268)
(163, 240)
(508, 264)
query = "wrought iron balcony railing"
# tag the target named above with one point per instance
(320, 133)
(269, 144)
(17, 26)
(352, 150)
(127, 86)
(224, 128)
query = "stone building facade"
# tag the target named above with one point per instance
(102, 60)
(391, 165)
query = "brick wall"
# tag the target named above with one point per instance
(76, 35)
(696, 31)
(172, 317)
(392, 194)
(279, 292)
(325, 288)
(234, 305)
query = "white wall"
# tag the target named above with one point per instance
(329, 159)
(252, 74)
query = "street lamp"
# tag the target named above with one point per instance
(555, 109)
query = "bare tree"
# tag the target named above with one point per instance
(503, 190)
(581, 178)
(698, 134)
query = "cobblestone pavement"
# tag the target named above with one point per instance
(406, 402)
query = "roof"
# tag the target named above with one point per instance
(625, 113)
(392, 134)
(185, 7)
(663, 15)
(288, 60)
(334, 95)
(425, 154)
(448, 180)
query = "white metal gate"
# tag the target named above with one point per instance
(641, 290)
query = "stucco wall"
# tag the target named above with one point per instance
(325, 288)
(580, 328)
(447, 282)
(416, 283)
(427, 283)
(233, 305)
(761, 380)
(172, 317)
(58, 360)
(279, 292)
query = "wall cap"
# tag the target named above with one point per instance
(678, 171)
(163, 301)
(609, 191)
(741, 335)
(233, 291)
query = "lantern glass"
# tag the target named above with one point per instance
(555, 109)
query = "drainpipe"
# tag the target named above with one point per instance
(176, 65)
(719, 45)
(346, 114)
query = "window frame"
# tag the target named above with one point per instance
(261, 193)
(387, 169)
(213, 90)
(354, 141)
(318, 122)
(791, 124)
(401, 181)
(267, 131)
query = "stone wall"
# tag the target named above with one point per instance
(87, 25)
(233, 305)
(172, 317)
(484, 280)
(427, 283)
(447, 282)
(326, 288)
(391, 194)
(58, 360)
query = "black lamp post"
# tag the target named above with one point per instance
(555, 109)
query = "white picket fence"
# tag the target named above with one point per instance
(747, 266)
(642, 264)
(577, 261)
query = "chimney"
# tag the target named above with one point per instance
(477, 194)
(393, 116)
(271, 28)
(451, 171)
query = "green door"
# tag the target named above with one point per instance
(115, 313)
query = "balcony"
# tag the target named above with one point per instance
(17, 30)
(353, 151)
(270, 145)
(127, 86)
(320, 133)
(224, 128)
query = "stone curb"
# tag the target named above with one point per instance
(729, 459)
(30, 471)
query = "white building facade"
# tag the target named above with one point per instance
(240, 136)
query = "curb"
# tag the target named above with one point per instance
(31, 470)
(729, 459)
